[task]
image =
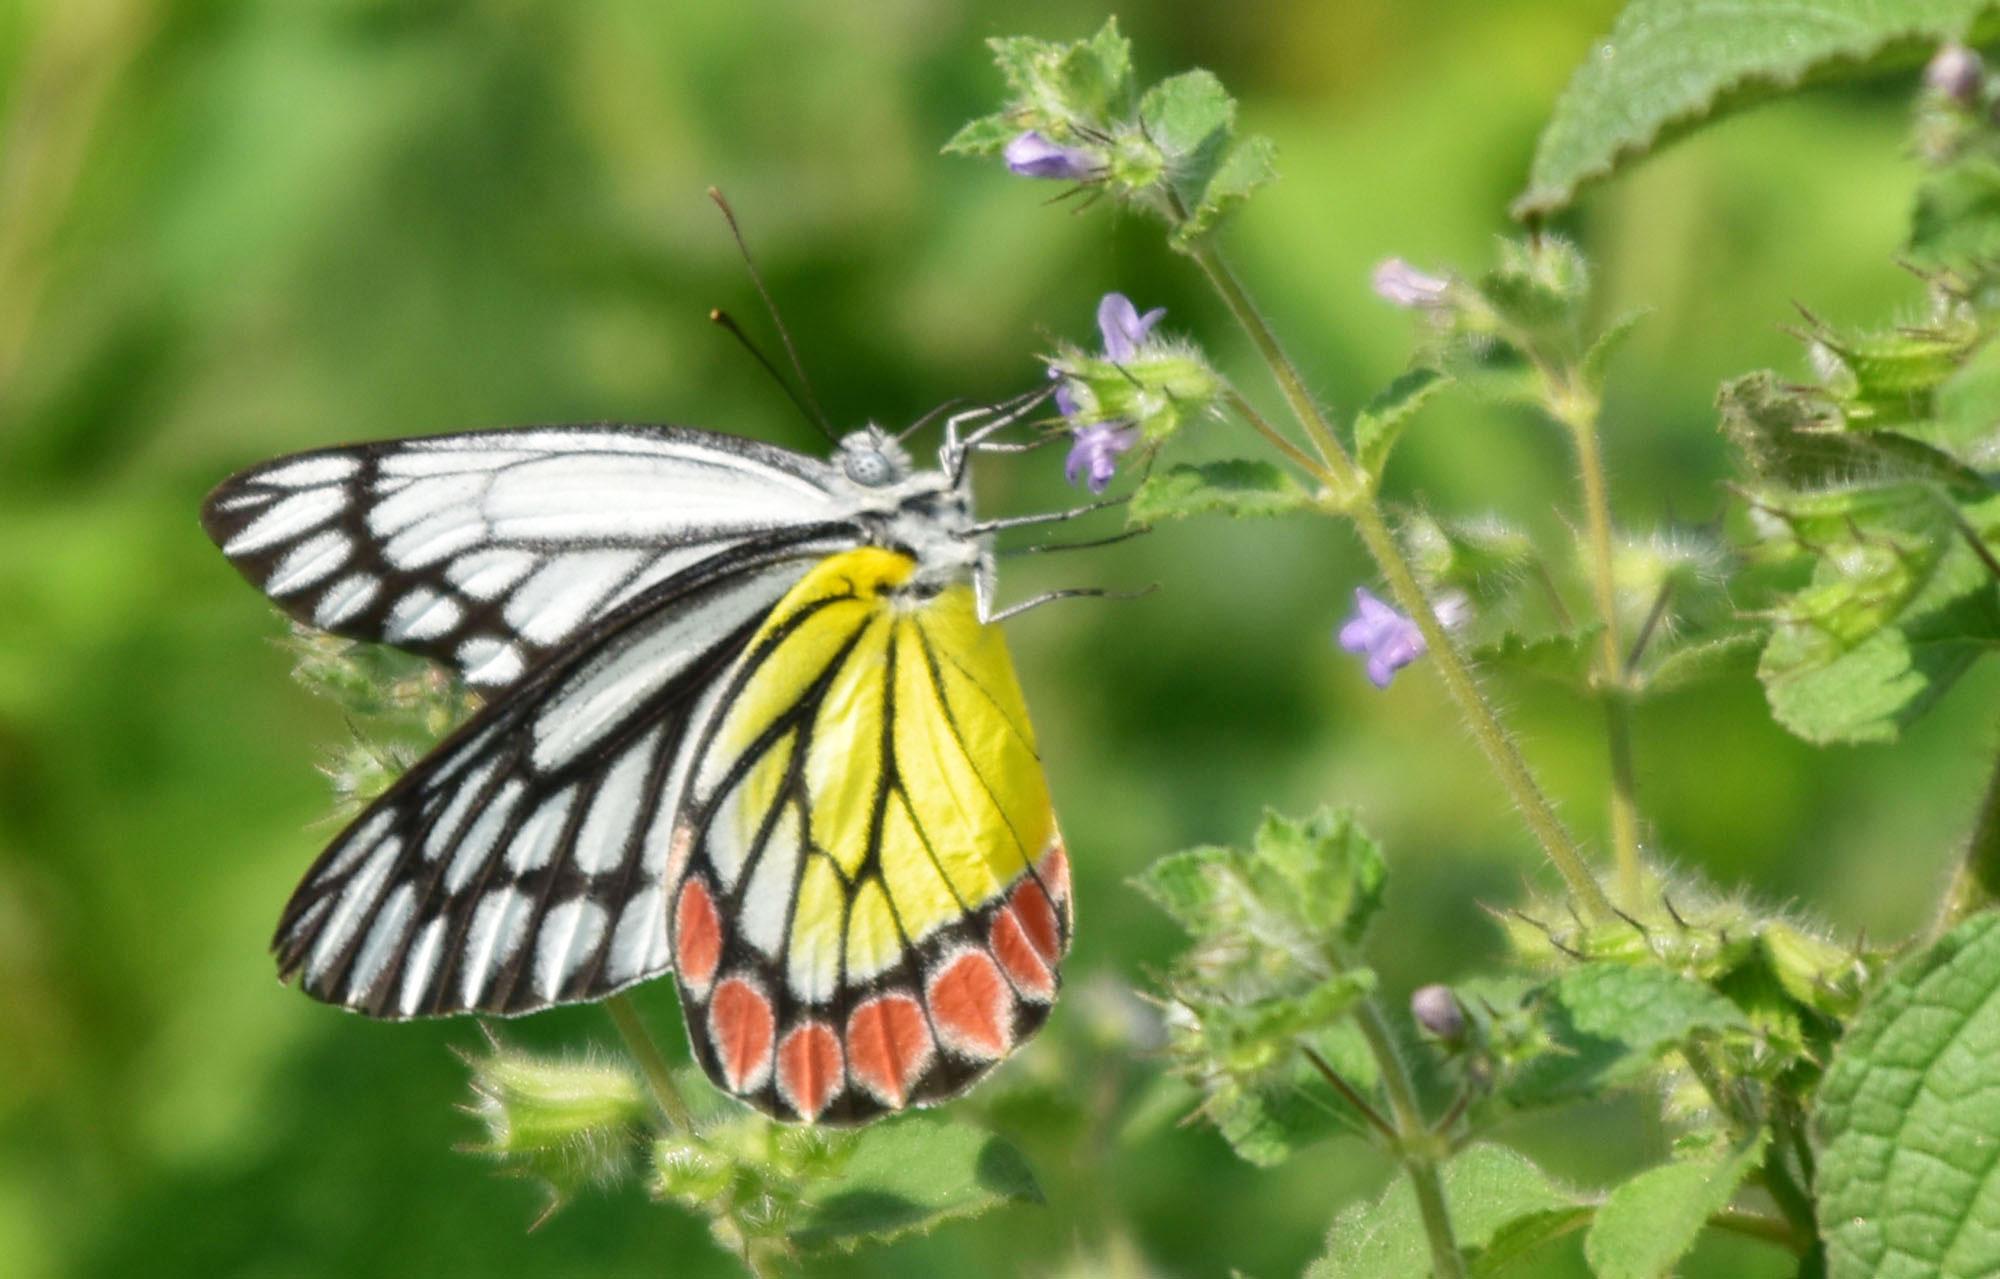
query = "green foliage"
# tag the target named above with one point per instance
(1160, 388)
(1380, 424)
(1496, 1198)
(1608, 1025)
(1238, 487)
(1173, 151)
(1905, 1119)
(1269, 976)
(565, 1123)
(1647, 1224)
(1671, 65)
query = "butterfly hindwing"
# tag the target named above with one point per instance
(489, 549)
(523, 862)
(870, 897)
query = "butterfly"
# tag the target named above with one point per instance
(748, 717)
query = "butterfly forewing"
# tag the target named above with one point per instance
(490, 549)
(523, 862)
(870, 897)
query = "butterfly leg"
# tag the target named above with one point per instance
(1071, 593)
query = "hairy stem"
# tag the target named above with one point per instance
(1755, 1225)
(1418, 1148)
(1577, 411)
(1338, 472)
(652, 1062)
(1976, 886)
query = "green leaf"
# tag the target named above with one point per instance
(1269, 1117)
(1907, 1122)
(1694, 662)
(1327, 867)
(1238, 487)
(1563, 658)
(1486, 1189)
(1609, 343)
(1524, 1237)
(1901, 602)
(1957, 218)
(1670, 65)
(1378, 426)
(1799, 437)
(1190, 117)
(1608, 1023)
(1248, 164)
(1651, 1221)
(909, 1175)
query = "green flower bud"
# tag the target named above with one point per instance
(566, 1122)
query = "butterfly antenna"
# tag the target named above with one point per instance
(727, 323)
(903, 435)
(803, 395)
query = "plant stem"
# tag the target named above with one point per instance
(1976, 886)
(652, 1062)
(1578, 411)
(1353, 498)
(1757, 1226)
(1262, 425)
(1417, 1146)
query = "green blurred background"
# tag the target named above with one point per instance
(232, 229)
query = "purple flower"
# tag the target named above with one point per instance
(1390, 640)
(1398, 282)
(1094, 455)
(1032, 155)
(1123, 327)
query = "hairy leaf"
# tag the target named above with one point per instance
(1608, 1023)
(910, 1175)
(1486, 1189)
(1670, 65)
(1651, 1221)
(1237, 487)
(1907, 1118)
(1378, 426)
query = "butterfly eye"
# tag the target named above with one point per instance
(869, 468)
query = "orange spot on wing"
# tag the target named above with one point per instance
(697, 936)
(888, 1046)
(740, 1022)
(1038, 920)
(970, 1004)
(809, 1068)
(1010, 945)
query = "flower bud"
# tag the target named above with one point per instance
(1437, 1010)
(1400, 284)
(570, 1123)
(1956, 73)
(1034, 155)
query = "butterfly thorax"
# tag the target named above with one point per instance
(924, 514)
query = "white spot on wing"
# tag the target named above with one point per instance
(642, 932)
(535, 842)
(487, 661)
(390, 923)
(447, 822)
(312, 470)
(570, 933)
(356, 896)
(434, 537)
(355, 845)
(299, 513)
(498, 925)
(477, 846)
(433, 459)
(484, 574)
(421, 965)
(549, 605)
(424, 498)
(769, 896)
(420, 615)
(345, 599)
(600, 844)
(309, 561)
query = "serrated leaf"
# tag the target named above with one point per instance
(1064, 82)
(1524, 1237)
(1378, 426)
(1239, 487)
(1186, 884)
(1650, 1222)
(1325, 866)
(910, 1175)
(1190, 118)
(1691, 663)
(1248, 164)
(1797, 436)
(1608, 343)
(1608, 1024)
(1900, 604)
(1563, 658)
(1907, 1120)
(988, 135)
(1671, 65)
(1486, 1188)
(1268, 1119)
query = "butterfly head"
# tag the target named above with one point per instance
(872, 458)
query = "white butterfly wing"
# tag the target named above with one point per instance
(487, 550)
(523, 862)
